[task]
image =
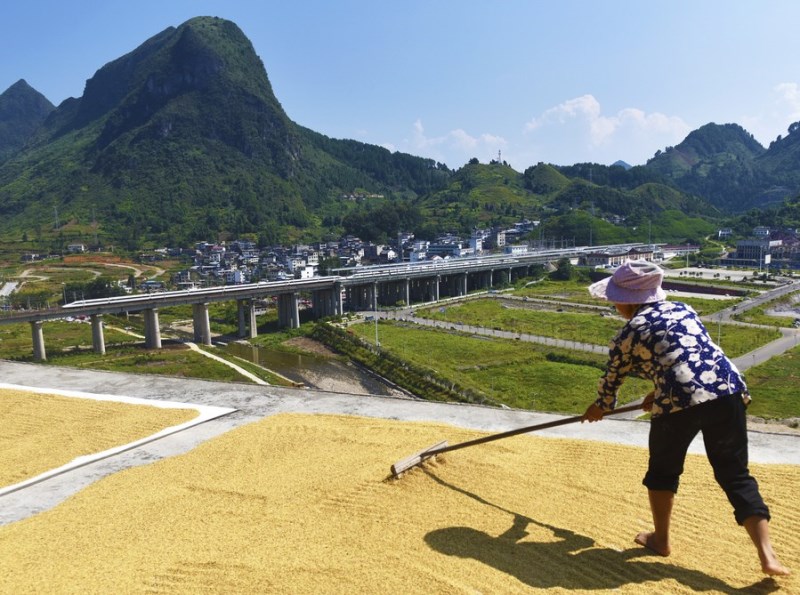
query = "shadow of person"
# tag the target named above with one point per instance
(567, 559)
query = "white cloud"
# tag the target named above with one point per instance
(784, 110)
(578, 130)
(455, 147)
(789, 95)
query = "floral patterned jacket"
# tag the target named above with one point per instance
(666, 343)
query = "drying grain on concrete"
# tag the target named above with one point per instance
(303, 504)
(40, 432)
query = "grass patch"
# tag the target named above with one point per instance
(758, 315)
(773, 385)
(737, 340)
(705, 306)
(170, 360)
(520, 375)
(496, 314)
(258, 371)
(547, 289)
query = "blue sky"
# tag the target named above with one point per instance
(559, 81)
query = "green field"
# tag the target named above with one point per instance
(773, 385)
(517, 374)
(170, 360)
(595, 328)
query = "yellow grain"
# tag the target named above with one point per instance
(303, 504)
(40, 432)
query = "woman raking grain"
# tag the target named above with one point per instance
(697, 389)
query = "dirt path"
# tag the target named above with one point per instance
(239, 369)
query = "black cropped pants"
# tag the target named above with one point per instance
(724, 426)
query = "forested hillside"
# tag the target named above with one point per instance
(728, 167)
(183, 139)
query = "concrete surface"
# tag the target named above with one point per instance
(255, 402)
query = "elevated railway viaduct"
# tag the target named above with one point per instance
(352, 289)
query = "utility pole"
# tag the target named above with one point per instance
(94, 224)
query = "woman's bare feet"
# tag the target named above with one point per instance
(758, 529)
(653, 543)
(775, 568)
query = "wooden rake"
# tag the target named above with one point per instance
(441, 447)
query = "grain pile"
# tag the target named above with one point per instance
(303, 504)
(39, 432)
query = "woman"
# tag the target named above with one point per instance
(696, 389)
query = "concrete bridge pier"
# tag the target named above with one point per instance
(98, 340)
(320, 303)
(39, 354)
(252, 321)
(289, 310)
(247, 318)
(240, 318)
(327, 302)
(338, 305)
(201, 324)
(152, 333)
(358, 298)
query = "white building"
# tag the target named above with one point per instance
(515, 249)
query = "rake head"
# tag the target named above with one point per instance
(417, 458)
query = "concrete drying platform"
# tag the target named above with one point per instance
(252, 403)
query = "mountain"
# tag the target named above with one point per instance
(622, 164)
(22, 110)
(571, 207)
(182, 139)
(725, 165)
(781, 161)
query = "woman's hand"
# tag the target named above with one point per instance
(593, 413)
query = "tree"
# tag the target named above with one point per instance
(564, 271)
(329, 263)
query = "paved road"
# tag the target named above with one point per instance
(255, 402)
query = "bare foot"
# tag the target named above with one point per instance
(775, 568)
(650, 541)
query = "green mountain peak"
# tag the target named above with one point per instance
(22, 111)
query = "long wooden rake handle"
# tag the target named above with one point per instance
(442, 447)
